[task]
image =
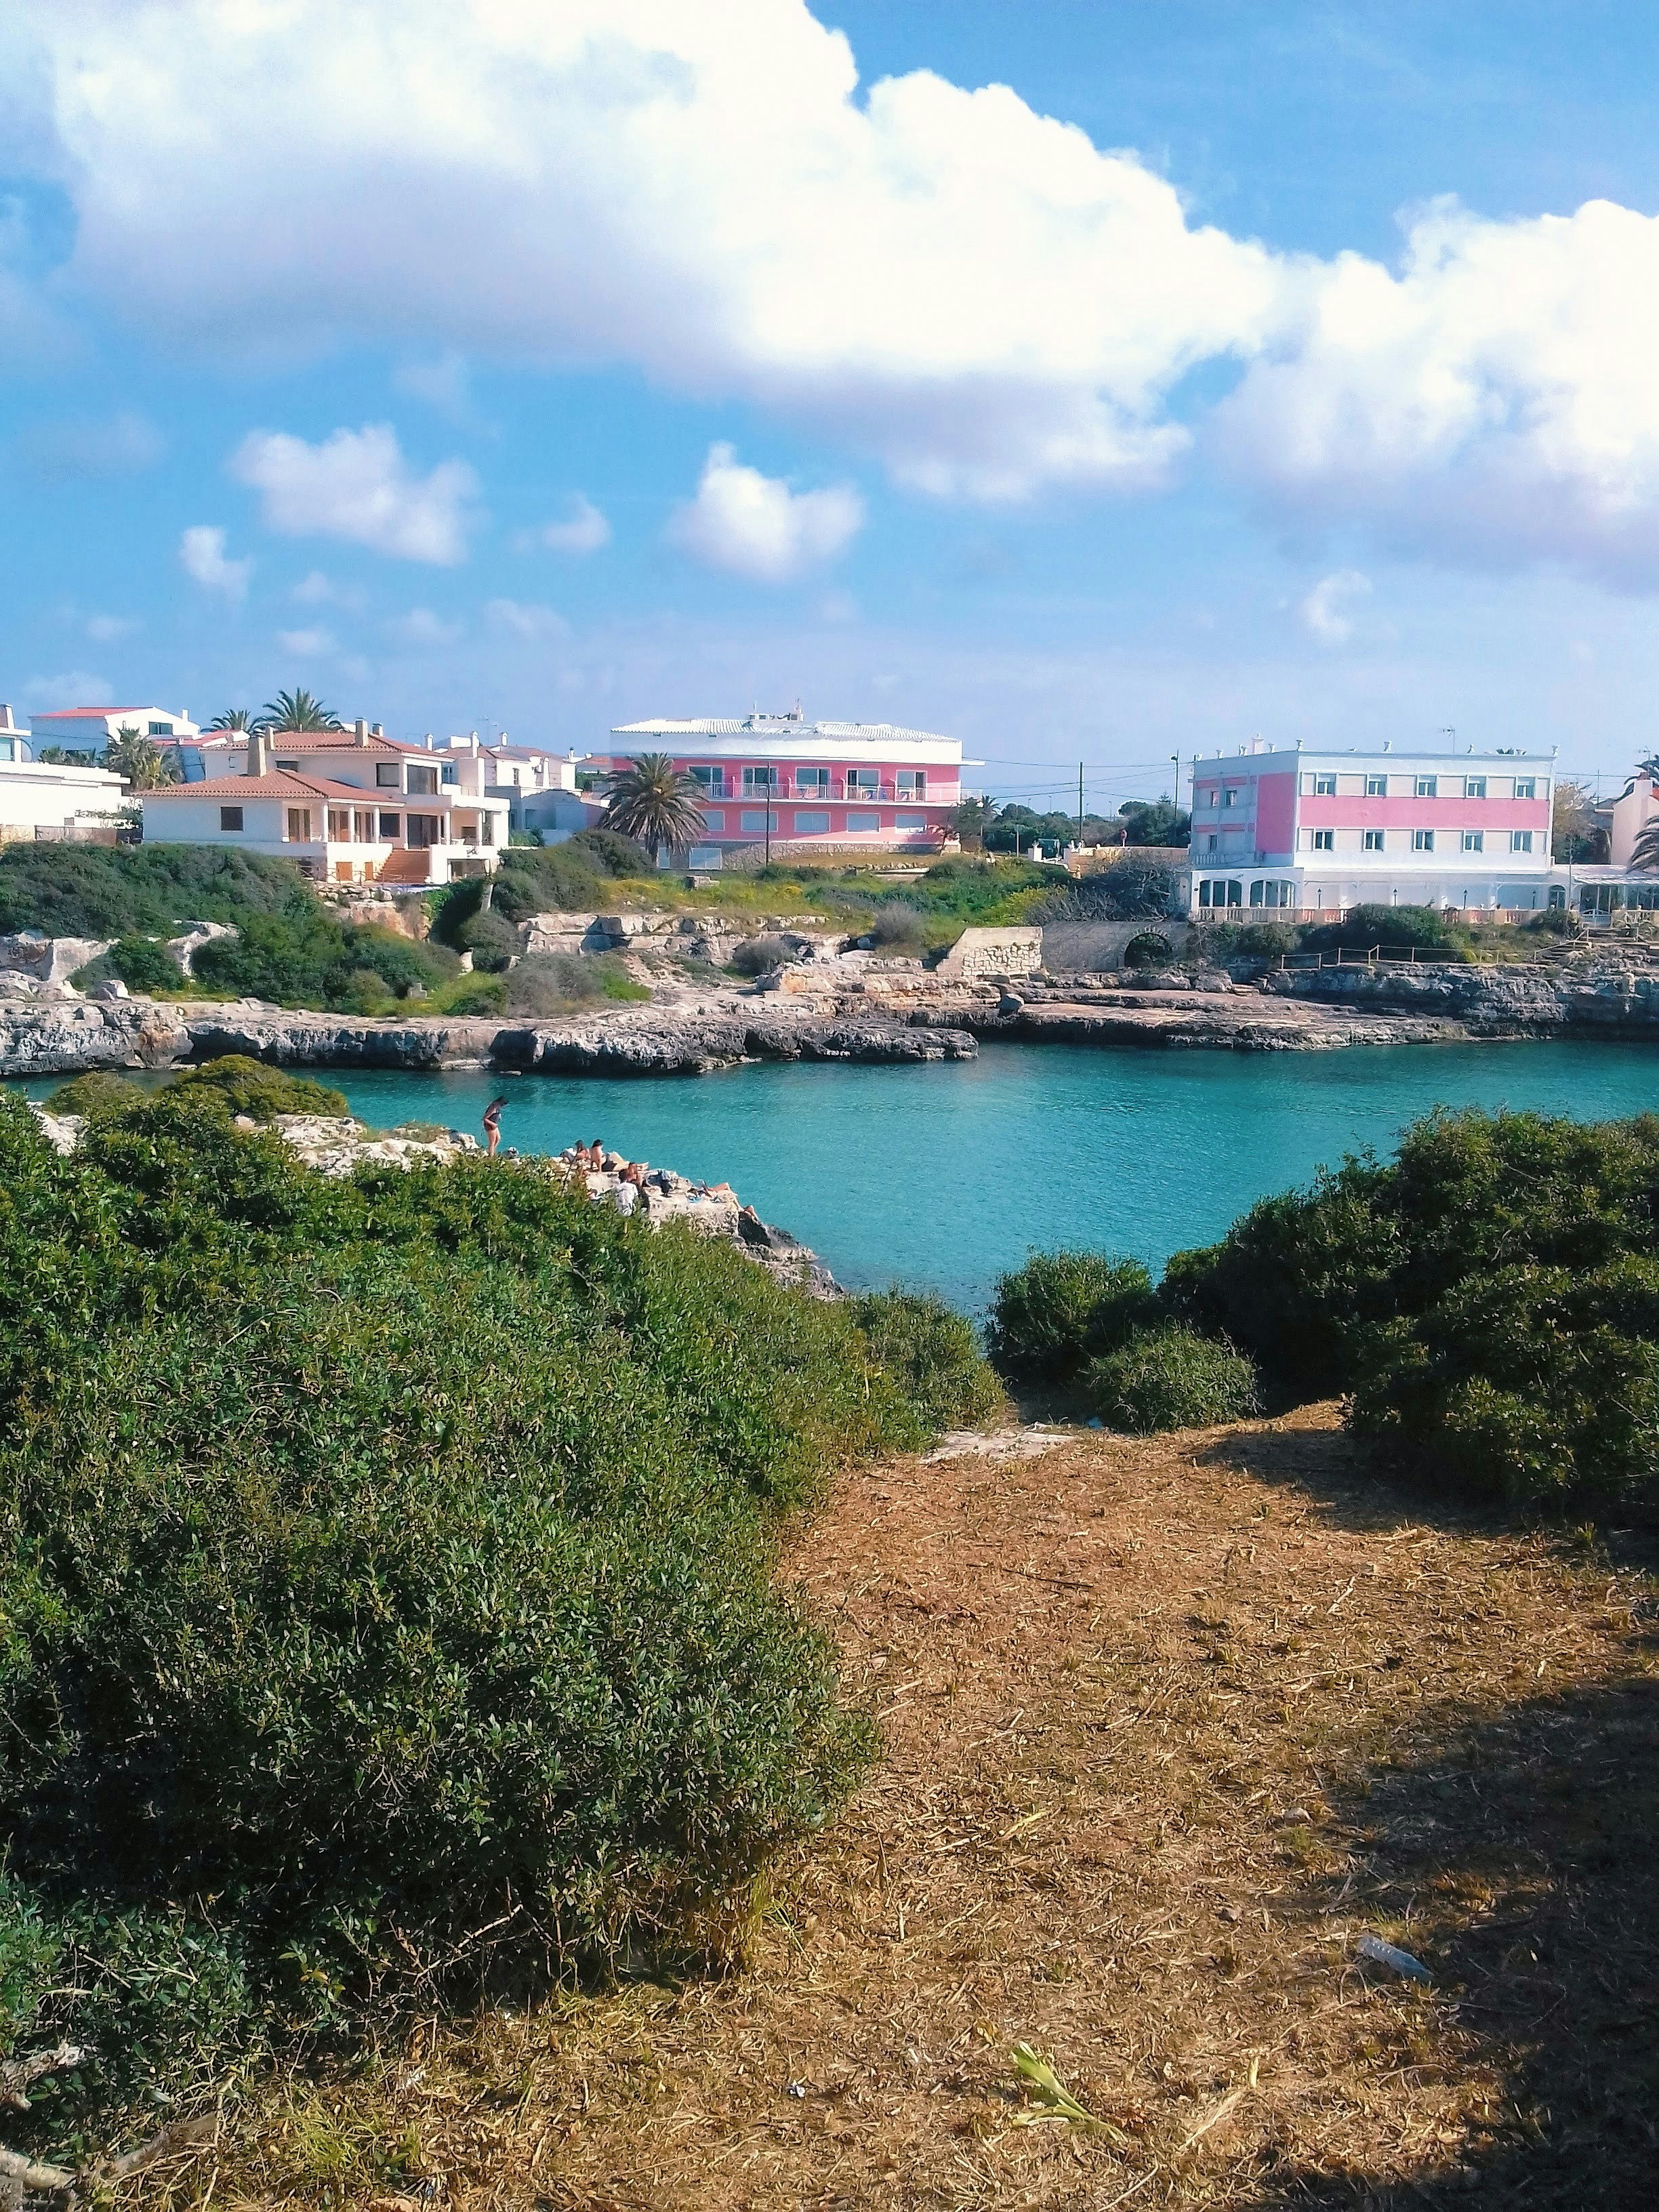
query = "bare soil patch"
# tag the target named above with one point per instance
(1168, 1726)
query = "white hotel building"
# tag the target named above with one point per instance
(1313, 833)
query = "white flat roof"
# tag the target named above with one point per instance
(782, 733)
(1359, 756)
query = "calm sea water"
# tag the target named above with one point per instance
(944, 1176)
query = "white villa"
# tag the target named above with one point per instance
(89, 729)
(349, 805)
(40, 800)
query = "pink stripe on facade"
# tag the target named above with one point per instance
(1324, 812)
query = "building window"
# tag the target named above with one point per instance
(385, 775)
(1475, 786)
(425, 829)
(1271, 894)
(230, 818)
(161, 729)
(810, 824)
(1428, 787)
(811, 781)
(1520, 841)
(1474, 841)
(862, 782)
(761, 779)
(450, 776)
(1422, 840)
(1217, 891)
(362, 827)
(1525, 786)
(1324, 786)
(711, 779)
(912, 783)
(1324, 841)
(1373, 841)
(339, 824)
(390, 826)
(756, 820)
(424, 782)
(1229, 796)
(1212, 798)
(862, 822)
(291, 766)
(1377, 786)
(909, 822)
(486, 828)
(1210, 841)
(713, 818)
(299, 825)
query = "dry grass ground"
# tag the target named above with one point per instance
(1168, 1726)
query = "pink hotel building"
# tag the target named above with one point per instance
(839, 786)
(1318, 832)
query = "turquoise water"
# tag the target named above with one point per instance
(946, 1175)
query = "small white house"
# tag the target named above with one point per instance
(89, 729)
(38, 799)
(539, 787)
(347, 805)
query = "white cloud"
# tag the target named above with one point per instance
(942, 277)
(584, 530)
(304, 644)
(512, 618)
(1497, 400)
(421, 628)
(357, 485)
(202, 555)
(75, 688)
(110, 629)
(441, 381)
(755, 527)
(1322, 612)
(313, 589)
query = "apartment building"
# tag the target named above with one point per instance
(347, 805)
(806, 786)
(1311, 833)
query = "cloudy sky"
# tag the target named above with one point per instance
(1102, 381)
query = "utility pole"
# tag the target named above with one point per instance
(766, 801)
(1080, 805)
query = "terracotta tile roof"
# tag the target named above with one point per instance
(282, 783)
(340, 741)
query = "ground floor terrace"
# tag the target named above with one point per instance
(334, 833)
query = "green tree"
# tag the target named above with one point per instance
(651, 800)
(232, 718)
(1576, 835)
(297, 710)
(972, 818)
(139, 764)
(1155, 821)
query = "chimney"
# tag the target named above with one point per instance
(6, 722)
(360, 731)
(377, 730)
(259, 753)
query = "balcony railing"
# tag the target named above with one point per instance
(840, 792)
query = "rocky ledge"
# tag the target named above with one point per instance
(337, 1146)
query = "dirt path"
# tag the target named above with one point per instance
(1168, 1726)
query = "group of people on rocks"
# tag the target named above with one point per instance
(581, 1160)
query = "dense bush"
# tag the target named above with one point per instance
(97, 1091)
(1050, 1317)
(1392, 927)
(304, 957)
(104, 891)
(550, 983)
(610, 852)
(386, 1562)
(1170, 1378)
(1485, 1296)
(244, 1084)
(143, 964)
(898, 927)
(934, 1354)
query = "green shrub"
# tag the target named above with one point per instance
(546, 984)
(898, 928)
(252, 1087)
(553, 878)
(1170, 1378)
(610, 852)
(935, 1353)
(97, 1091)
(388, 1560)
(472, 996)
(1061, 1309)
(1392, 927)
(305, 958)
(143, 964)
(96, 890)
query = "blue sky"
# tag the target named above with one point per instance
(553, 365)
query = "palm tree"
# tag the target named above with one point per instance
(651, 800)
(232, 717)
(1645, 853)
(140, 764)
(298, 710)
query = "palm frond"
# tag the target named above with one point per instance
(298, 710)
(652, 801)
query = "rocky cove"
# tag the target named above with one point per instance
(868, 1012)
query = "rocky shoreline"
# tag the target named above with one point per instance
(890, 1014)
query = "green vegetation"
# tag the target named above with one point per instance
(547, 984)
(143, 964)
(651, 800)
(246, 1086)
(758, 956)
(1062, 1309)
(1395, 928)
(1171, 1378)
(305, 957)
(139, 890)
(386, 1575)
